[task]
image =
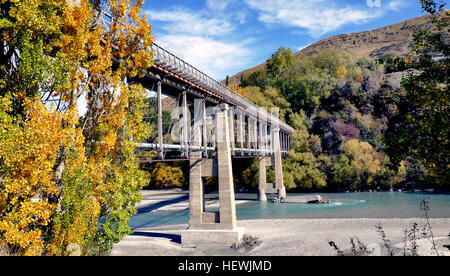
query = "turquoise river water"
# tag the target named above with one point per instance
(342, 205)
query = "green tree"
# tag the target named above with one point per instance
(279, 63)
(338, 64)
(421, 129)
(268, 97)
(305, 85)
(257, 78)
(302, 168)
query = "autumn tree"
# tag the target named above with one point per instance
(166, 176)
(358, 166)
(31, 134)
(238, 89)
(74, 181)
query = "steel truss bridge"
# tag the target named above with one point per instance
(251, 128)
(213, 125)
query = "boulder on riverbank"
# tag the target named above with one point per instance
(318, 200)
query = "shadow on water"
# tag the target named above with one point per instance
(161, 204)
(171, 237)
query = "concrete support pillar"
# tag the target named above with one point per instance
(262, 180)
(249, 135)
(196, 198)
(210, 227)
(278, 163)
(204, 129)
(195, 192)
(270, 141)
(226, 185)
(241, 132)
(255, 136)
(260, 138)
(160, 126)
(231, 128)
(266, 140)
(186, 125)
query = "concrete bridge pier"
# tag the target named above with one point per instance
(281, 189)
(262, 179)
(275, 161)
(212, 227)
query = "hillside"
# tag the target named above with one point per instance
(395, 39)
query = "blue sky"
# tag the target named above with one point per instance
(224, 37)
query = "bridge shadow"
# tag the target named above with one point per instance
(171, 237)
(161, 204)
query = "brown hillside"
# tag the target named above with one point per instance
(396, 39)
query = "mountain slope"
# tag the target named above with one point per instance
(393, 39)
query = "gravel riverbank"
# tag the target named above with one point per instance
(277, 237)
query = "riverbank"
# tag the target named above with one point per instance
(277, 237)
(285, 237)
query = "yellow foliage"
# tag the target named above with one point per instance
(58, 176)
(239, 90)
(28, 174)
(363, 156)
(341, 72)
(165, 176)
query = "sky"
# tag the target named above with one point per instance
(224, 37)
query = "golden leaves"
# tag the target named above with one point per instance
(238, 89)
(165, 176)
(47, 158)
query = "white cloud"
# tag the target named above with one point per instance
(205, 38)
(397, 5)
(317, 16)
(232, 9)
(219, 5)
(213, 57)
(178, 20)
